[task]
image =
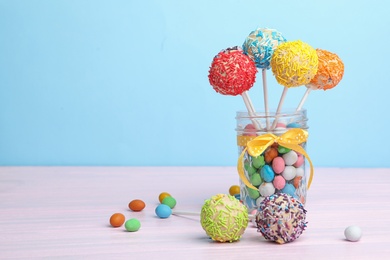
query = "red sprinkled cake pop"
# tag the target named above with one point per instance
(232, 72)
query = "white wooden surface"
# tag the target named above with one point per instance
(63, 213)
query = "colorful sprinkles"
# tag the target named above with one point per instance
(281, 218)
(224, 218)
(261, 44)
(294, 63)
(232, 72)
(330, 71)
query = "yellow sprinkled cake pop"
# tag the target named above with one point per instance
(294, 63)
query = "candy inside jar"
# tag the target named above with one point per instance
(272, 160)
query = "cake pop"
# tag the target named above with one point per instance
(233, 73)
(294, 64)
(224, 218)
(330, 71)
(281, 218)
(259, 46)
(329, 74)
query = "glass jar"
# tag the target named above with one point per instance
(272, 155)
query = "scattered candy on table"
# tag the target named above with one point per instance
(353, 233)
(234, 189)
(136, 205)
(163, 211)
(117, 219)
(224, 218)
(132, 225)
(169, 201)
(163, 195)
(281, 218)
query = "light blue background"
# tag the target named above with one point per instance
(125, 82)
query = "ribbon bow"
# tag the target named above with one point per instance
(290, 139)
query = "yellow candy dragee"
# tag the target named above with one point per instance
(163, 195)
(294, 63)
(234, 189)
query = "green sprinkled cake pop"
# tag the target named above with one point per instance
(224, 218)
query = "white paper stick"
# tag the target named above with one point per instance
(191, 213)
(251, 110)
(265, 91)
(279, 107)
(300, 105)
(188, 213)
(308, 90)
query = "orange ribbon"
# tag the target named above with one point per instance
(290, 139)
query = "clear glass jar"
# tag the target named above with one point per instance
(276, 165)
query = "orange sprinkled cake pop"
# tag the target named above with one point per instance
(330, 71)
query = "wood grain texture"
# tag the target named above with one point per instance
(63, 212)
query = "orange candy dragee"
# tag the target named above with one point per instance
(270, 154)
(117, 219)
(330, 71)
(136, 205)
(297, 181)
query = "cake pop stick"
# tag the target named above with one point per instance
(259, 46)
(192, 213)
(280, 105)
(265, 93)
(293, 64)
(234, 73)
(250, 109)
(307, 92)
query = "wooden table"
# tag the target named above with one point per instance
(63, 212)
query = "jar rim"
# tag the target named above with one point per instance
(288, 112)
